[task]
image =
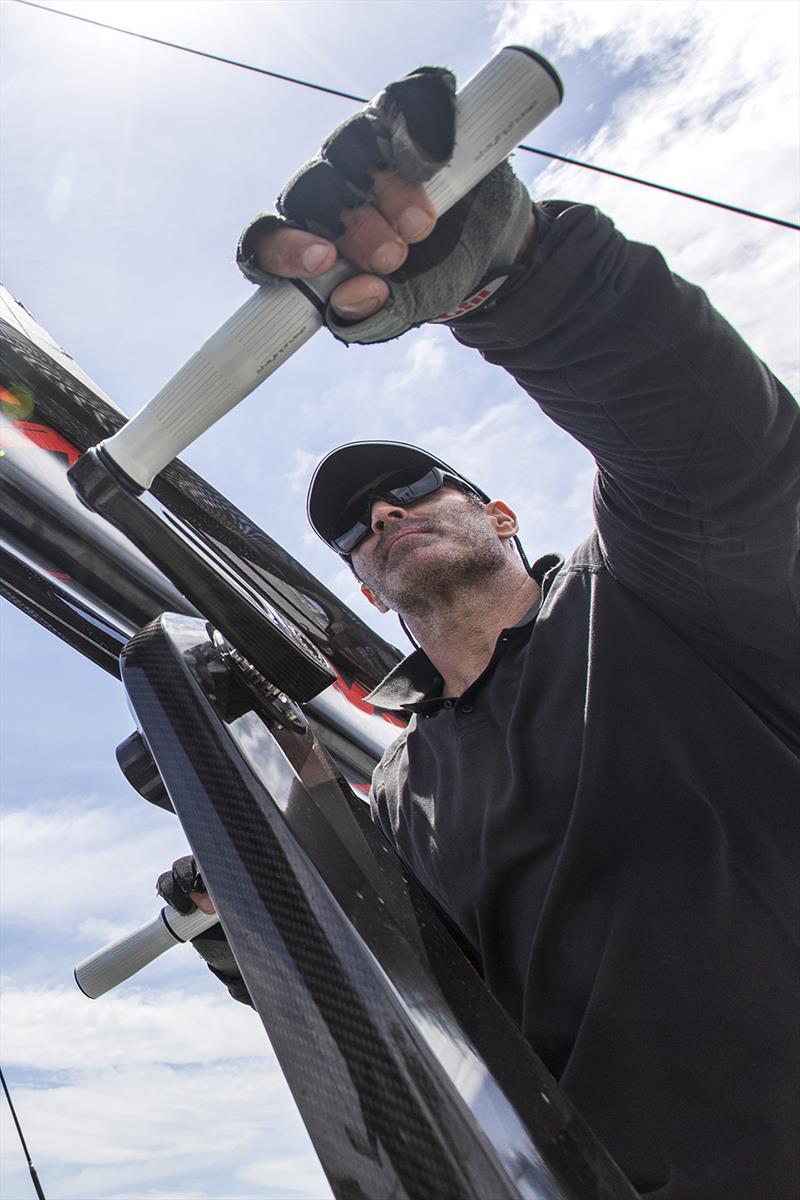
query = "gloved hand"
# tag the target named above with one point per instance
(363, 196)
(183, 888)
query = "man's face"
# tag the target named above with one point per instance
(419, 557)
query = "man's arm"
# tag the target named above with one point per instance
(183, 887)
(697, 444)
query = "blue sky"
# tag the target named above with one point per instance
(128, 171)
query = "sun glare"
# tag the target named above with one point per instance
(158, 18)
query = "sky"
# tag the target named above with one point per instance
(127, 172)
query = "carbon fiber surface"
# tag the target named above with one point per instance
(411, 1081)
(64, 615)
(59, 400)
(252, 624)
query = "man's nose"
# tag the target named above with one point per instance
(382, 511)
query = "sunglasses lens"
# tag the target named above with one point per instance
(352, 525)
(400, 489)
(345, 543)
(404, 487)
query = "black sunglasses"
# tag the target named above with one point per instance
(403, 488)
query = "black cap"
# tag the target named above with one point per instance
(352, 467)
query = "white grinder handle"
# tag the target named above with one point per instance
(495, 109)
(115, 963)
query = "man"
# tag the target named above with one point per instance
(599, 778)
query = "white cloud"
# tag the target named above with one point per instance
(427, 357)
(141, 1086)
(101, 931)
(123, 848)
(721, 121)
(122, 1133)
(303, 463)
(514, 454)
(131, 1025)
(286, 1177)
(387, 392)
(624, 32)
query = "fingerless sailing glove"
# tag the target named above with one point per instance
(175, 886)
(408, 128)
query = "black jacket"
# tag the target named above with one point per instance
(609, 813)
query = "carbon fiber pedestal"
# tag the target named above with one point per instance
(412, 1082)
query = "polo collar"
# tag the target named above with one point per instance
(415, 686)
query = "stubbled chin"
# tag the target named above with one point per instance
(415, 559)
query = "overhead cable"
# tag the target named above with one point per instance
(330, 91)
(31, 1168)
(662, 187)
(231, 62)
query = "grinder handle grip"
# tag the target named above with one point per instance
(507, 98)
(118, 961)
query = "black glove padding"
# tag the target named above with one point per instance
(212, 945)
(410, 129)
(175, 886)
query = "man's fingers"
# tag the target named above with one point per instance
(294, 254)
(377, 237)
(203, 901)
(282, 252)
(359, 297)
(370, 242)
(405, 206)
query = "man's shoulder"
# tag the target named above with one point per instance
(393, 753)
(586, 559)
(588, 556)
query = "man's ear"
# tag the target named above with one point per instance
(503, 518)
(374, 600)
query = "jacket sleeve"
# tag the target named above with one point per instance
(697, 444)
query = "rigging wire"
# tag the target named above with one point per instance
(662, 187)
(31, 1167)
(330, 91)
(231, 62)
